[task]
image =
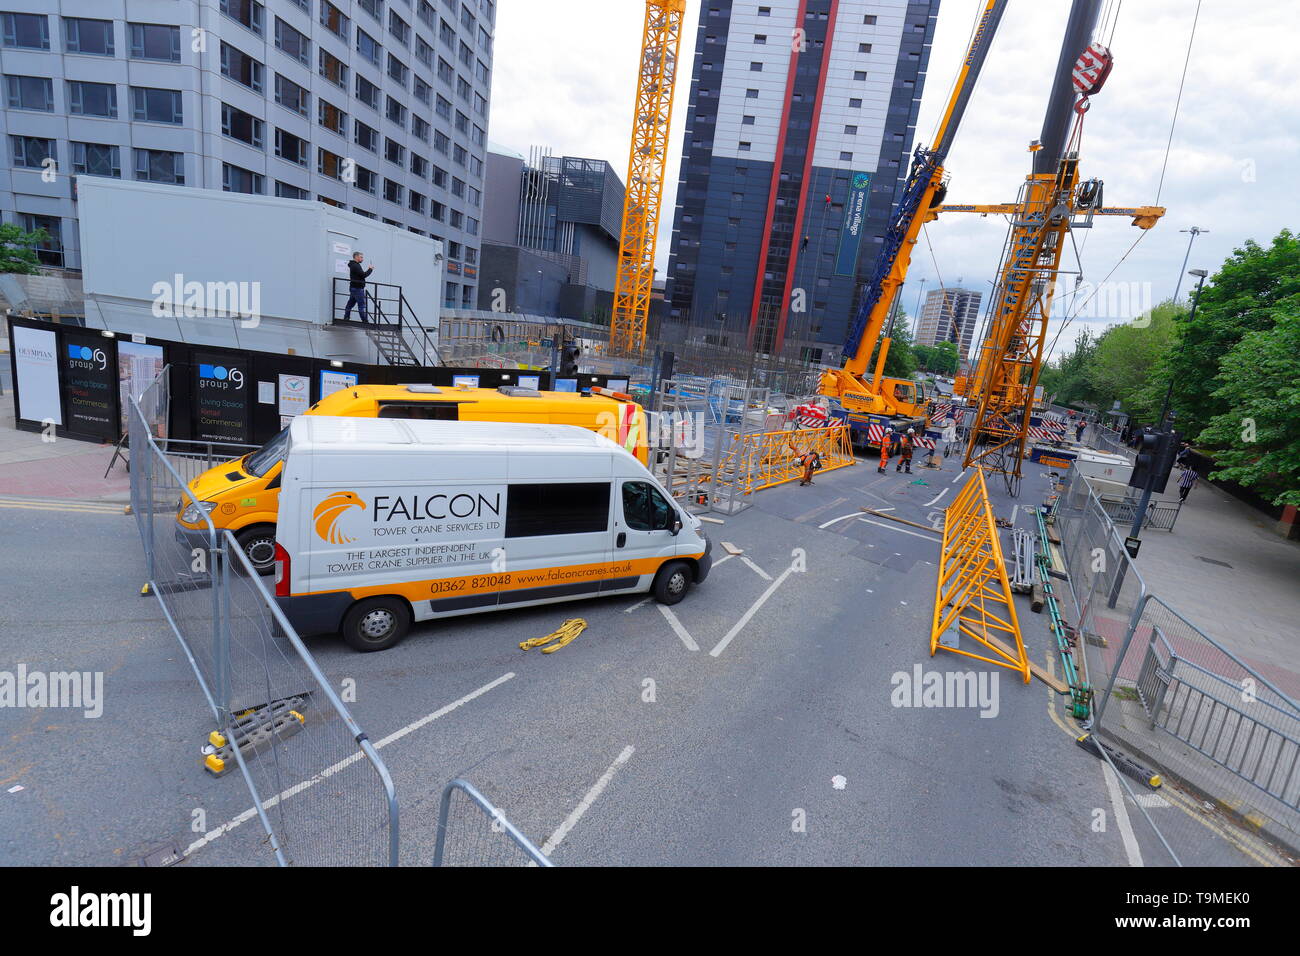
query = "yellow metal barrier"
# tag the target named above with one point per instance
(766, 459)
(973, 596)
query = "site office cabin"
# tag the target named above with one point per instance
(243, 496)
(386, 522)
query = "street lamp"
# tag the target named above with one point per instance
(1195, 231)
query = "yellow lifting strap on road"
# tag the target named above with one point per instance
(973, 596)
(566, 633)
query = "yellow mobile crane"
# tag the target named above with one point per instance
(1052, 202)
(869, 405)
(661, 42)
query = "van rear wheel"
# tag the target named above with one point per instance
(672, 582)
(376, 624)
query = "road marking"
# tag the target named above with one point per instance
(739, 625)
(959, 477)
(684, 634)
(1131, 848)
(1014, 512)
(935, 499)
(757, 570)
(640, 603)
(722, 559)
(809, 515)
(80, 509)
(1150, 800)
(890, 508)
(826, 524)
(329, 771)
(923, 537)
(563, 829)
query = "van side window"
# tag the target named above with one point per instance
(567, 508)
(644, 508)
(425, 411)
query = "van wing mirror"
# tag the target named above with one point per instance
(676, 525)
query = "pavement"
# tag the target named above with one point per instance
(760, 721)
(32, 463)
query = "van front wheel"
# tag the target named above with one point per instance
(258, 543)
(672, 582)
(376, 624)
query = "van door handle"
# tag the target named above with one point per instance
(621, 539)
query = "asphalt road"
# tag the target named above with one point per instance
(756, 724)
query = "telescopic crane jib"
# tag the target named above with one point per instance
(877, 399)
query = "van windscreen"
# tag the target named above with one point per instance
(266, 457)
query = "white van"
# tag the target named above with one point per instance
(387, 521)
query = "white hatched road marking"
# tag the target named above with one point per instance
(571, 821)
(684, 634)
(757, 570)
(739, 625)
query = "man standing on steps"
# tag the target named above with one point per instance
(357, 287)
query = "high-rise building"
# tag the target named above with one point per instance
(949, 315)
(375, 106)
(798, 137)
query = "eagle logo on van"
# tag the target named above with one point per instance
(328, 513)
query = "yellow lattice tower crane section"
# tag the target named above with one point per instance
(656, 75)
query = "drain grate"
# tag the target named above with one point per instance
(1222, 564)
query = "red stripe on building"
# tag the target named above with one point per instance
(779, 340)
(776, 181)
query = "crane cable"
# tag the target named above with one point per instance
(1178, 102)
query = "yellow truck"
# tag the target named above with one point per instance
(242, 496)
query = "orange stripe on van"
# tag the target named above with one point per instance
(436, 589)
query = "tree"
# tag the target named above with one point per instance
(1068, 379)
(1126, 360)
(1242, 297)
(900, 362)
(18, 249)
(1257, 436)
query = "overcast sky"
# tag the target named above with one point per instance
(566, 73)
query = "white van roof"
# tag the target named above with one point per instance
(325, 433)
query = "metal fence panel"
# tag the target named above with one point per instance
(472, 832)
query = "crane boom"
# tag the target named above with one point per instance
(661, 42)
(923, 192)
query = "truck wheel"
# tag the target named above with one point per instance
(376, 624)
(258, 543)
(672, 582)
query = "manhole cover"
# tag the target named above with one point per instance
(1222, 564)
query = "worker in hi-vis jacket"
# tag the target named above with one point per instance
(885, 441)
(905, 451)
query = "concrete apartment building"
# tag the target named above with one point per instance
(379, 107)
(798, 138)
(949, 315)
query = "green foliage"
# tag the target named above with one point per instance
(941, 358)
(1257, 436)
(901, 360)
(1126, 360)
(18, 249)
(1067, 380)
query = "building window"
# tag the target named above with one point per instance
(463, 88)
(50, 250)
(439, 174)
(458, 187)
(846, 157)
(475, 197)
(760, 39)
(745, 147)
(476, 166)
(756, 67)
(855, 103)
(30, 93)
(427, 14)
(457, 219)
(850, 131)
(92, 99)
(364, 136)
(764, 11)
(443, 108)
(288, 191)
(869, 19)
(159, 166)
(368, 46)
(331, 117)
(364, 212)
(394, 152)
(31, 152)
(96, 159)
(459, 155)
(398, 71)
(241, 67)
(423, 91)
(333, 20)
(420, 128)
(438, 212)
(396, 112)
(242, 126)
(416, 202)
(366, 180)
(155, 41)
(864, 47)
(247, 12)
(471, 225)
(291, 147)
(93, 37)
(399, 28)
(747, 121)
(419, 166)
(236, 179)
(859, 75)
(292, 96)
(373, 7)
(27, 31)
(393, 192)
(367, 92)
(446, 72)
(329, 164)
(751, 94)
(333, 69)
(333, 202)
(156, 106)
(423, 52)
(292, 42)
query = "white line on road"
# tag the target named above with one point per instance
(826, 524)
(739, 625)
(890, 527)
(725, 557)
(959, 477)
(936, 498)
(890, 508)
(757, 570)
(563, 829)
(640, 603)
(251, 812)
(1014, 511)
(1131, 847)
(684, 634)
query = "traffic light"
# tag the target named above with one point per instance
(1156, 452)
(569, 361)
